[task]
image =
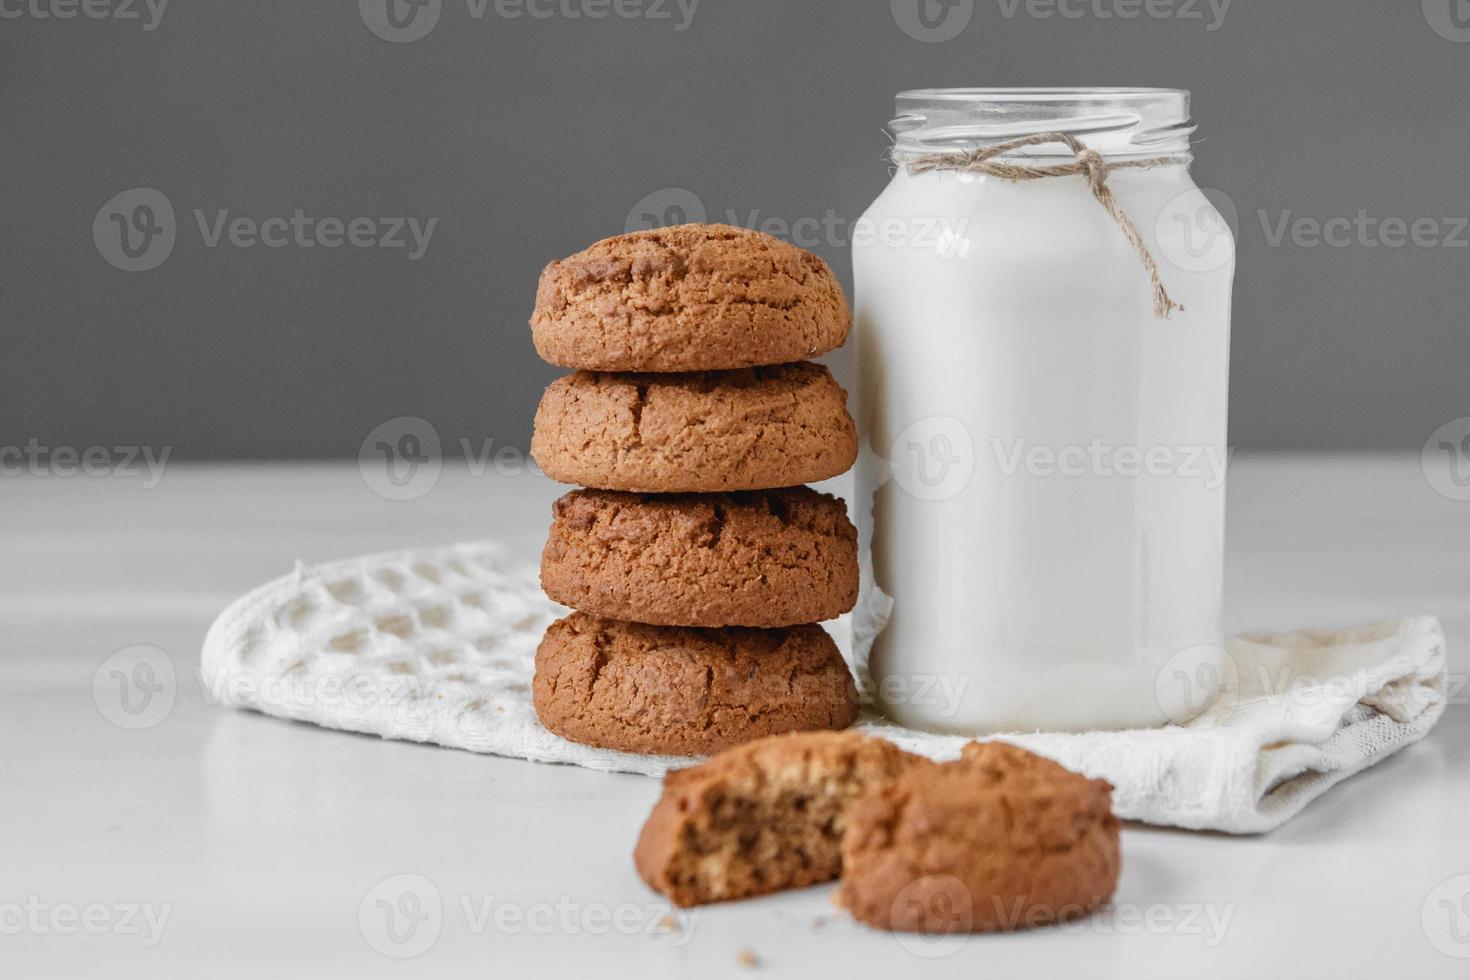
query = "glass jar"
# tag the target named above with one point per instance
(1041, 492)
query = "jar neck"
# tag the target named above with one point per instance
(1121, 124)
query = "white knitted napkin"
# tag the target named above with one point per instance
(438, 646)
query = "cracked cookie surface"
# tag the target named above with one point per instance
(761, 817)
(666, 690)
(688, 298)
(754, 429)
(766, 559)
(1001, 839)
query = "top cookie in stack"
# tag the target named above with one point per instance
(697, 562)
(688, 298)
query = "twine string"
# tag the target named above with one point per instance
(1088, 163)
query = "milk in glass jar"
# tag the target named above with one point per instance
(1043, 329)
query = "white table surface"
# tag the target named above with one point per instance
(260, 839)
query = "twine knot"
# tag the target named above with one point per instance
(1097, 170)
(1089, 164)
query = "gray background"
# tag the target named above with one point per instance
(528, 138)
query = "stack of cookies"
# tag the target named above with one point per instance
(697, 562)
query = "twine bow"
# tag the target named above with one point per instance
(1089, 163)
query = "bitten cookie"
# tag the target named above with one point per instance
(1001, 839)
(688, 298)
(755, 429)
(761, 817)
(768, 558)
(661, 690)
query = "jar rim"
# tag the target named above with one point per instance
(1119, 122)
(1040, 93)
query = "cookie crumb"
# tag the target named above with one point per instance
(748, 959)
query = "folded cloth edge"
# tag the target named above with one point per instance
(1220, 773)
